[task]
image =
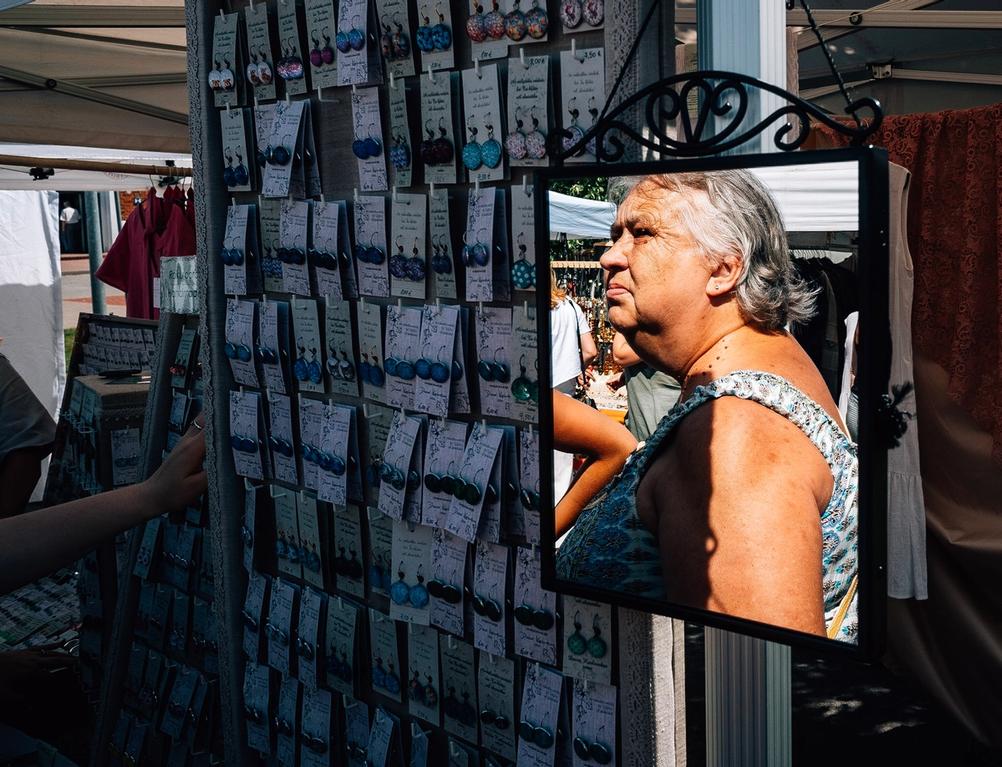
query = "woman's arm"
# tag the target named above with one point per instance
(622, 353)
(589, 352)
(35, 544)
(578, 428)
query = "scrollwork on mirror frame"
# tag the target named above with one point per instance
(719, 123)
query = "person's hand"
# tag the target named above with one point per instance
(181, 478)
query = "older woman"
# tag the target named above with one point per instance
(743, 501)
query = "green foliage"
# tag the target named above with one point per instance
(587, 188)
(68, 336)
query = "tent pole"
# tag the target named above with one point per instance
(92, 215)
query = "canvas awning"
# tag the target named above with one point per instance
(109, 75)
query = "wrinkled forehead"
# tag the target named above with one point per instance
(652, 198)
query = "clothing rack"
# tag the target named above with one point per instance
(95, 165)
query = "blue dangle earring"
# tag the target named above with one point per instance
(300, 369)
(315, 372)
(472, 157)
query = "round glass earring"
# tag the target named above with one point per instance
(597, 646)
(441, 33)
(346, 367)
(494, 22)
(227, 79)
(240, 176)
(422, 368)
(535, 140)
(342, 42)
(570, 13)
(379, 674)
(593, 12)
(400, 153)
(327, 53)
(576, 642)
(490, 150)
(415, 690)
(252, 70)
(430, 696)
(521, 387)
(215, 77)
(418, 594)
(515, 23)
(264, 73)
(400, 591)
(444, 151)
(415, 264)
(427, 146)
(537, 21)
(356, 37)
(229, 178)
(316, 372)
(576, 134)
(500, 370)
(423, 37)
(299, 368)
(514, 142)
(392, 680)
(472, 155)
(523, 274)
(401, 40)
(476, 28)
(386, 42)
(316, 58)
(440, 368)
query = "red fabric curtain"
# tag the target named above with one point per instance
(952, 642)
(955, 238)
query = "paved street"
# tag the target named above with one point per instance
(76, 291)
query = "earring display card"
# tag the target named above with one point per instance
(271, 218)
(586, 640)
(594, 723)
(443, 260)
(323, 57)
(496, 691)
(311, 420)
(528, 477)
(535, 608)
(370, 347)
(370, 240)
(316, 728)
(490, 576)
(178, 412)
(523, 228)
(380, 552)
(494, 367)
(382, 738)
(378, 421)
(342, 617)
(336, 454)
(582, 15)
(342, 366)
(348, 539)
(422, 687)
(261, 68)
(283, 173)
(448, 569)
(475, 472)
(273, 344)
(281, 607)
(257, 694)
(524, 387)
(311, 168)
(237, 171)
(177, 704)
(459, 688)
(326, 251)
(308, 371)
(287, 720)
(401, 151)
(483, 155)
(245, 409)
(310, 545)
(311, 605)
(225, 55)
(352, 42)
(435, 368)
(446, 443)
(439, 148)
(368, 146)
(249, 530)
(486, 31)
(356, 729)
(281, 439)
(287, 544)
(238, 245)
(541, 695)
(528, 112)
(294, 238)
(385, 660)
(399, 465)
(582, 90)
(409, 228)
(419, 746)
(293, 71)
(479, 245)
(434, 37)
(254, 615)
(395, 40)
(147, 549)
(411, 556)
(403, 342)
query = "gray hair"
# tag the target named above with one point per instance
(741, 217)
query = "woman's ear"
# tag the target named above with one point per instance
(724, 277)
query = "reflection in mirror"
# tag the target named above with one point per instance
(723, 333)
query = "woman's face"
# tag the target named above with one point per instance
(654, 272)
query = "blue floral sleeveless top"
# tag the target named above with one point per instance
(610, 548)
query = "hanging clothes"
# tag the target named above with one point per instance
(155, 229)
(906, 555)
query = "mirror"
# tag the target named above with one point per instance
(718, 460)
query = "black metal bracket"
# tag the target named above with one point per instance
(719, 122)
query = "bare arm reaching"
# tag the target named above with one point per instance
(33, 545)
(578, 428)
